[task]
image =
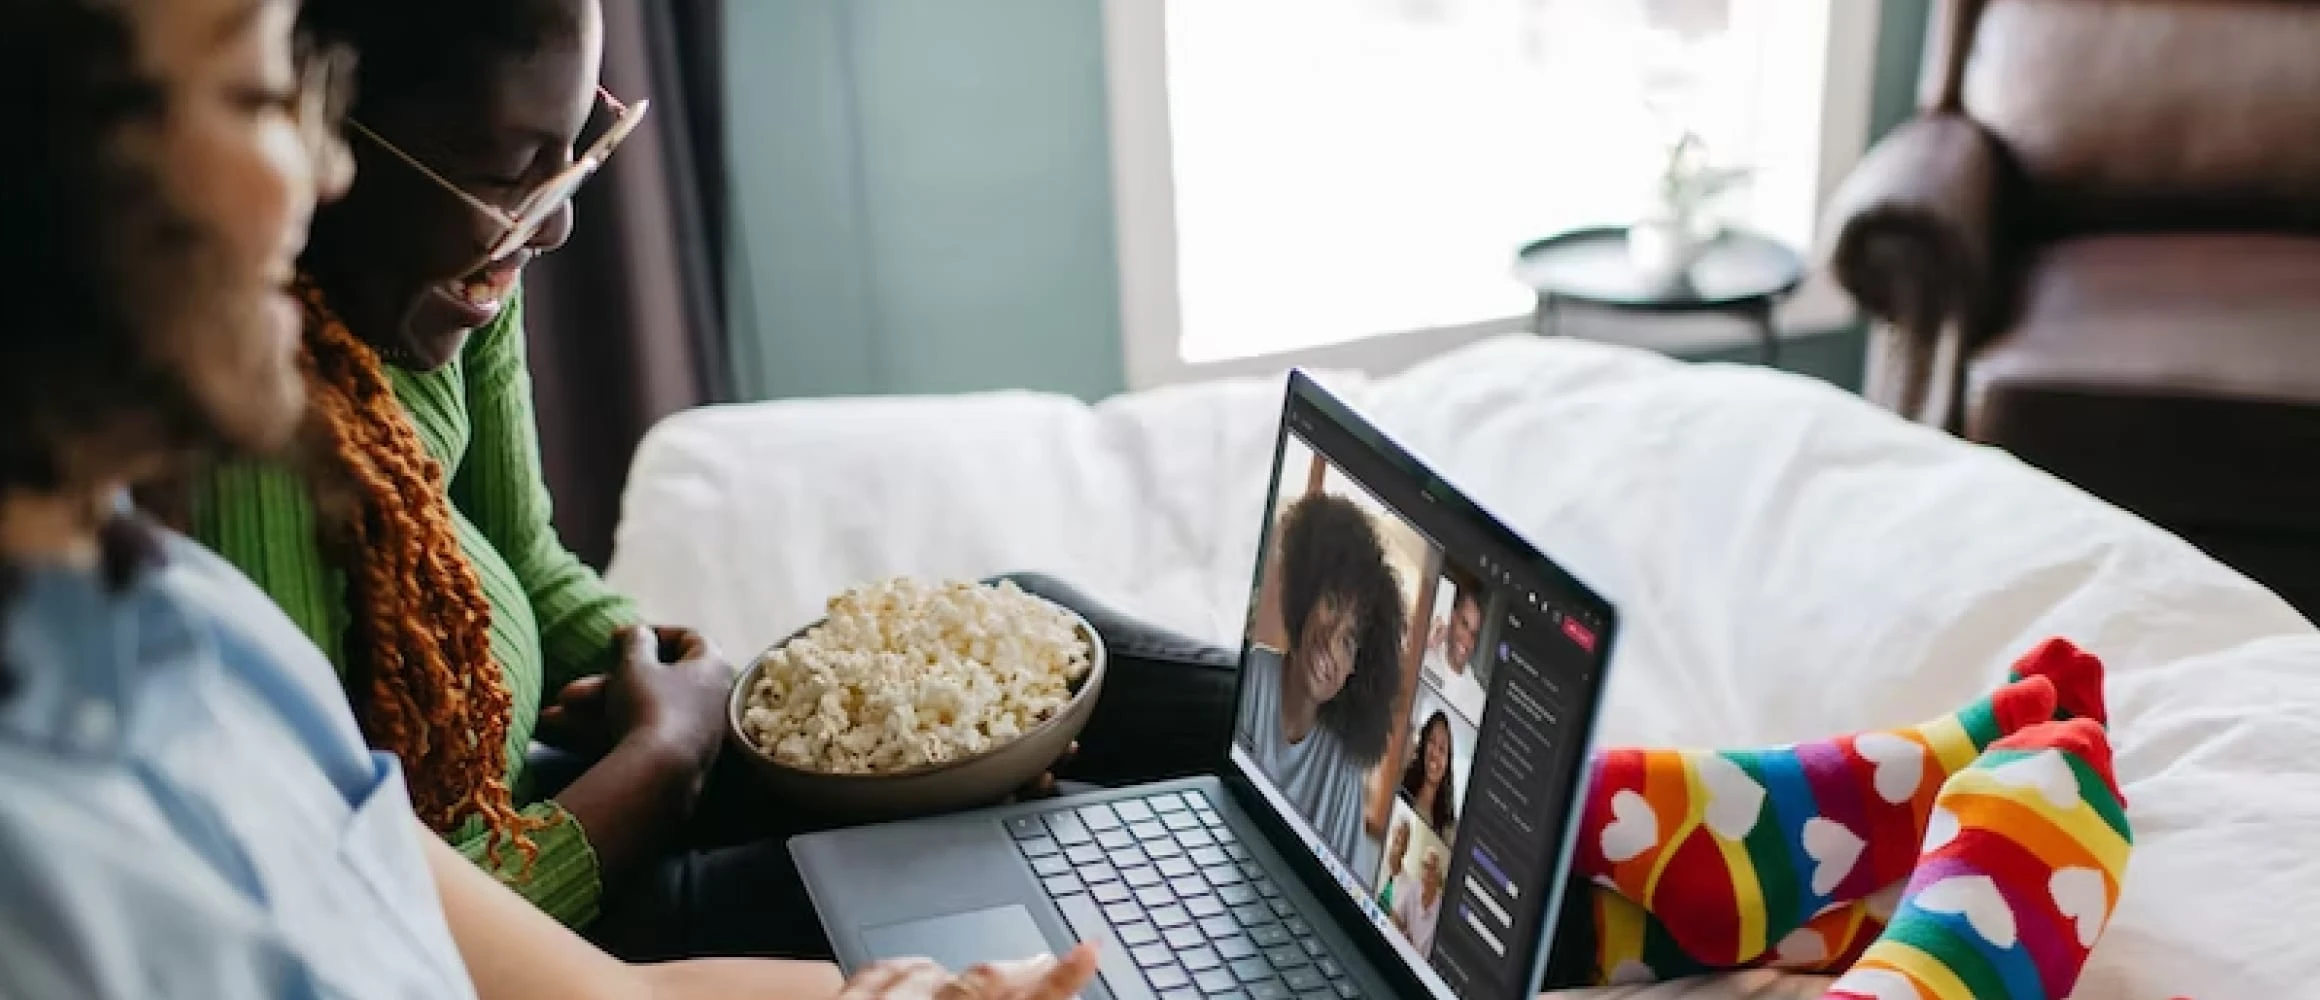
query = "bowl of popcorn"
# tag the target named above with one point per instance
(914, 697)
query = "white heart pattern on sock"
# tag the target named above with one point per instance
(1836, 848)
(1631, 973)
(1977, 899)
(2045, 771)
(1634, 827)
(1884, 984)
(1803, 948)
(2081, 895)
(1735, 800)
(1900, 764)
(1940, 828)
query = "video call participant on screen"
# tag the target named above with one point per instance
(1418, 908)
(1317, 715)
(1463, 629)
(1450, 653)
(1391, 881)
(1426, 781)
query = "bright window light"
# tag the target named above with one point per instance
(1345, 169)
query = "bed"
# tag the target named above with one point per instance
(1790, 562)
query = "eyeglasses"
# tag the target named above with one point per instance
(517, 227)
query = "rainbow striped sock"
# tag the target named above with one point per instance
(1733, 851)
(1632, 946)
(2077, 676)
(2021, 869)
(1830, 943)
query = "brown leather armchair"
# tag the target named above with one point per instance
(2098, 246)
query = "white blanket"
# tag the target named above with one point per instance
(1788, 560)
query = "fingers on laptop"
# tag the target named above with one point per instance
(1040, 978)
(1070, 975)
(896, 979)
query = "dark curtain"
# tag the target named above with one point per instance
(626, 322)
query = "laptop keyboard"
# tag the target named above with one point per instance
(1197, 917)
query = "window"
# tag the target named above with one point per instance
(1298, 175)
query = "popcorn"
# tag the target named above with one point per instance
(905, 673)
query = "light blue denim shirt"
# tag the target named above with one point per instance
(187, 809)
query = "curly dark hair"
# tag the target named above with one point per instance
(1414, 776)
(85, 254)
(430, 52)
(71, 201)
(1330, 549)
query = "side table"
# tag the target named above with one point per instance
(1740, 274)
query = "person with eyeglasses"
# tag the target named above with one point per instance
(187, 805)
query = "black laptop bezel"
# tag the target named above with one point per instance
(1379, 952)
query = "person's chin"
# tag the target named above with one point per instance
(1315, 684)
(437, 329)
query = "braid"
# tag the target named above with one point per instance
(420, 645)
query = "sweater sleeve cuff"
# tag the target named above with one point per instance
(564, 881)
(581, 641)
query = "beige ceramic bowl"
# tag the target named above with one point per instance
(980, 780)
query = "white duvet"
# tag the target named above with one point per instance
(1789, 562)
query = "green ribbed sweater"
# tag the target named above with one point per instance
(552, 619)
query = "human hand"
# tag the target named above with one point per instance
(669, 687)
(573, 719)
(1041, 978)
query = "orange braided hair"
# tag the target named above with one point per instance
(419, 647)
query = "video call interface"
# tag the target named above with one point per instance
(1412, 694)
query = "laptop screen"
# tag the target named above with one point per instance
(1417, 691)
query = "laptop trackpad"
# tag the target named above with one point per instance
(1001, 933)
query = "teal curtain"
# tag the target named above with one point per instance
(1900, 51)
(922, 197)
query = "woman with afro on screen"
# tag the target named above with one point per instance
(1316, 716)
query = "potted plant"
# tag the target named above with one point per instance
(1682, 224)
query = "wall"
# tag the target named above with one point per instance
(922, 197)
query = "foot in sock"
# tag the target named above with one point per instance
(2020, 873)
(1831, 942)
(1632, 946)
(2077, 676)
(1733, 851)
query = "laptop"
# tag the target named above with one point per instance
(1404, 837)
